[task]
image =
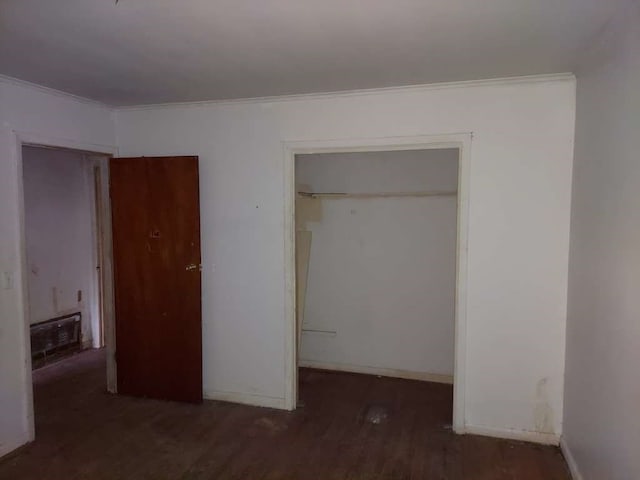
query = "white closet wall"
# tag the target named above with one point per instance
(381, 281)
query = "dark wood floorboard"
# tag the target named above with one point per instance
(85, 433)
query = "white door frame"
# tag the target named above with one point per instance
(461, 141)
(26, 139)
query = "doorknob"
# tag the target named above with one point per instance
(192, 267)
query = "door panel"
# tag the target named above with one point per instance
(156, 255)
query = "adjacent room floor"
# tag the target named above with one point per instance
(85, 433)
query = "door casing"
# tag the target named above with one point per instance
(460, 141)
(26, 139)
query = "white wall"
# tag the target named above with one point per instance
(382, 270)
(432, 170)
(59, 233)
(602, 423)
(521, 161)
(48, 116)
(518, 228)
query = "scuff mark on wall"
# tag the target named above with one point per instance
(543, 413)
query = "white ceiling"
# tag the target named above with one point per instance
(157, 51)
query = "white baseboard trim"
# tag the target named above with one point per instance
(571, 461)
(509, 434)
(383, 372)
(245, 399)
(7, 449)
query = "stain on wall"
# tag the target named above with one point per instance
(543, 413)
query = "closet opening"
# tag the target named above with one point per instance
(378, 236)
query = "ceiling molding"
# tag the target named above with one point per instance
(304, 96)
(52, 91)
(555, 77)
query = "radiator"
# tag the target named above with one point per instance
(55, 335)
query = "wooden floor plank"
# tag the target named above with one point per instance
(85, 433)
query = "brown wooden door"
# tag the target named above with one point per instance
(156, 256)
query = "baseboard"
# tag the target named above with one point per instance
(383, 372)
(569, 458)
(509, 434)
(8, 451)
(246, 399)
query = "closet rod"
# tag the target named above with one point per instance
(375, 195)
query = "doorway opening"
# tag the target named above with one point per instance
(69, 235)
(379, 267)
(63, 221)
(63, 227)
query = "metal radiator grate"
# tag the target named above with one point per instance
(55, 335)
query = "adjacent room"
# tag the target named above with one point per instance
(324, 239)
(62, 225)
(62, 253)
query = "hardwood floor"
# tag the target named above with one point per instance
(85, 433)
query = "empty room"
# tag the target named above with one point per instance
(322, 239)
